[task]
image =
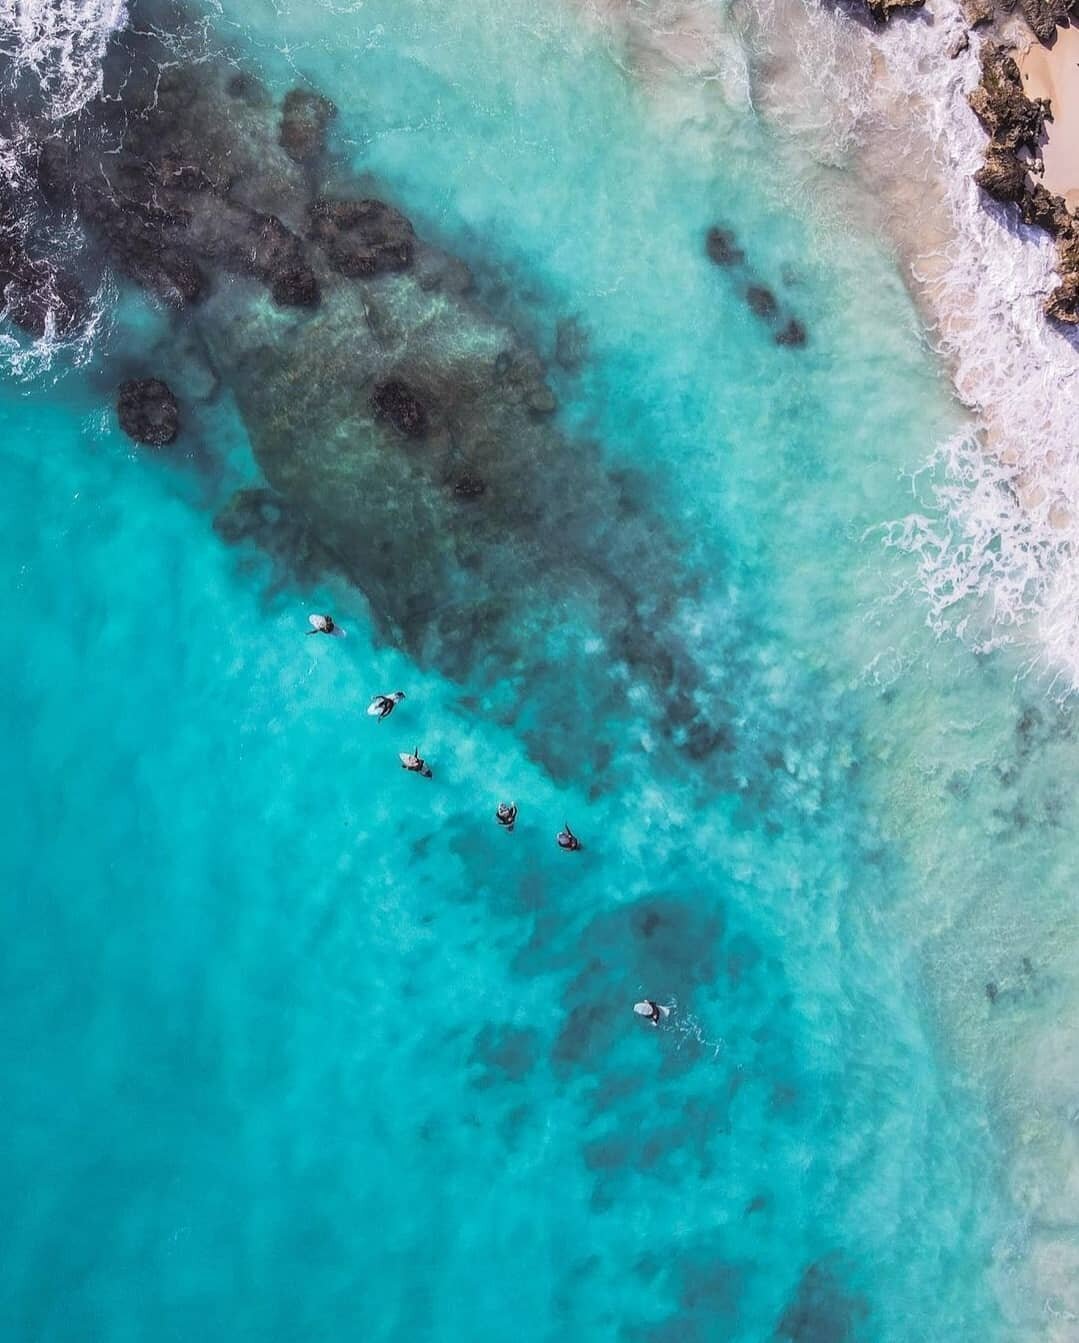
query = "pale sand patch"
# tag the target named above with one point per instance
(1053, 73)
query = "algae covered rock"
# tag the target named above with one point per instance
(148, 411)
(362, 237)
(304, 118)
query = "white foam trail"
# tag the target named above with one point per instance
(62, 44)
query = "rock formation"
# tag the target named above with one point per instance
(405, 435)
(1015, 124)
(148, 411)
(722, 249)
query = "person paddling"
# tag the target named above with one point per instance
(382, 706)
(325, 625)
(568, 840)
(506, 815)
(655, 1012)
(414, 763)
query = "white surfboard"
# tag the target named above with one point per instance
(645, 1009)
(315, 621)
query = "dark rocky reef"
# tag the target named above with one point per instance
(304, 118)
(571, 345)
(722, 249)
(406, 436)
(1013, 120)
(364, 237)
(148, 411)
(264, 519)
(1016, 124)
(178, 197)
(396, 403)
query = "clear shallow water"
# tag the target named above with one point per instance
(300, 1044)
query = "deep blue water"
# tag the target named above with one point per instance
(300, 1046)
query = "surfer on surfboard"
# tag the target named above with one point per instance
(414, 763)
(382, 706)
(325, 625)
(567, 840)
(506, 815)
(655, 1012)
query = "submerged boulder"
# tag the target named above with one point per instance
(362, 238)
(721, 247)
(304, 118)
(793, 333)
(148, 411)
(762, 301)
(395, 402)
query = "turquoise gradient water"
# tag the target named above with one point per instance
(300, 1046)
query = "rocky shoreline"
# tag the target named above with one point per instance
(1016, 128)
(1016, 125)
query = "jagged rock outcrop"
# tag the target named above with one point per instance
(722, 249)
(882, 10)
(148, 411)
(1015, 124)
(1012, 119)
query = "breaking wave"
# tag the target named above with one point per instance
(993, 533)
(60, 44)
(993, 530)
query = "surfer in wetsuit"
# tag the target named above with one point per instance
(323, 625)
(567, 840)
(651, 1010)
(414, 763)
(382, 706)
(506, 815)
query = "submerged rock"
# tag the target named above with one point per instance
(148, 411)
(792, 334)
(762, 301)
(362, 238)
(722, 248)
(571, 344)
(406, 434)
(304, 118)
(1012, 119)
(396, 402)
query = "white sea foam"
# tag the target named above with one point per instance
(62, 44)
(995, 527)
(996, 522)
(58, 46)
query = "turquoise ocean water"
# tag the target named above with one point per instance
(298, 1046)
